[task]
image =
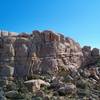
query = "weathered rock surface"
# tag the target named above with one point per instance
(41, 53)
(91, 56)
(34, 85)
(68, 89)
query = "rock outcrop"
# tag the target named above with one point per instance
(91, 56)
(47, 66)
(40, 53)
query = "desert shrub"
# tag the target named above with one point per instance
(11, 86)
(21, 86)
(83, 84)
(97, 63)
(37, 98)
(63, 71)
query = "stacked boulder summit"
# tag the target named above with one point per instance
(37, 53)
(91, 56)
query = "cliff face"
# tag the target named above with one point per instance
(40, 52)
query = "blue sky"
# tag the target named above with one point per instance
(79, 19)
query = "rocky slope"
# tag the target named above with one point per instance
(47, 66)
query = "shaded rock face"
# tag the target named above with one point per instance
(21, 56)
(91, 56)
(41, 52)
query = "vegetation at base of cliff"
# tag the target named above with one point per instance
(86, 88)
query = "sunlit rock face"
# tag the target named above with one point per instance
(38, 53)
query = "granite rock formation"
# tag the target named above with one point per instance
(40, 53)
(91, 56)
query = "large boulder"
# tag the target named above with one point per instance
(34, 85)
(95, 52)
(15, 95)
(69, 88)
(91, 56)
(6, 33)
(2, 96)
(11, 94)
(6, 71)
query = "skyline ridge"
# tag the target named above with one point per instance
(57, 33)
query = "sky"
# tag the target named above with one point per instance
(78, 19)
